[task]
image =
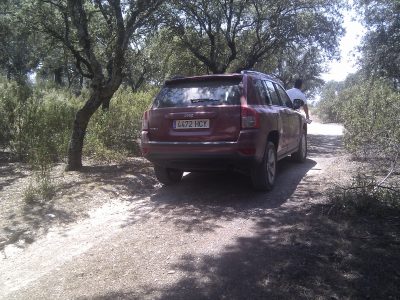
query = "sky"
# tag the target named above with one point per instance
(338, 70)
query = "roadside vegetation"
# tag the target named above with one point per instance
(369, 110)
(368, 105)
(36, 123)
(74, 46)
(76, 76)
(63, 96)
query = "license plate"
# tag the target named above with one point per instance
(189, 124)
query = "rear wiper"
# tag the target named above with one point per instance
(203, 100)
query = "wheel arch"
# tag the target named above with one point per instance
(305, 128)
(273, 136)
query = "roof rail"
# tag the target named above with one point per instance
(257, 73)
(177, 77)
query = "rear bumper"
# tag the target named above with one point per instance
(199, 156)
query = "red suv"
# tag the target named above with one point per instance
(243, 122)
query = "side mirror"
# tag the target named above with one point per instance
(289, 104)
(297, 103)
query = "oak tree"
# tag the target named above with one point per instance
(98, 34)
(232, 35)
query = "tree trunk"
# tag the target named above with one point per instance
(81, 122)
(76, 142)
(58, 76)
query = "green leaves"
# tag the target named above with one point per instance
(273, 36)
(381, 44)
(369, 110)
(197, 36)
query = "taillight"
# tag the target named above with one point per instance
(250, 118)
(145, 121)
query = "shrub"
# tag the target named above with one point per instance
(30, 194)
(43, 189)
(370, 110)
(36, 123)
(11, 97)
(44, 127)
(370, 115)
(328, 108)
(365, 196)
(116, 131)
(111, 134)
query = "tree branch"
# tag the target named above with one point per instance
(104, 13)
(80, 21)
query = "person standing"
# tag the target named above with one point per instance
(296, 93)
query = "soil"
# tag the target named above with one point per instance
(113, 232)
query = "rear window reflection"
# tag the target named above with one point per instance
(199, 94)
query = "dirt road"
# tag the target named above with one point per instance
(212, 237)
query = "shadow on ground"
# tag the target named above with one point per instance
(203, 199)
(296, 252)
(133, 178)
(199, 201)
(74, 197)
(299, 258)
(300, 255)
(324, 145)
(11, 172)
(37, 218)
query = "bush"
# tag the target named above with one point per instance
(36, 123)
(370, 115)
(364, 196)
(328, 108)
(369, 110)
(42, 190)
(11, 95)
(115, 132)
(43, 126)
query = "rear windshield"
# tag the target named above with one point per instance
(200, 93)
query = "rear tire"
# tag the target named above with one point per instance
(168, 176)
(301, 154)
(263, 174)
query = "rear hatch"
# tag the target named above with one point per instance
(197, 109)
